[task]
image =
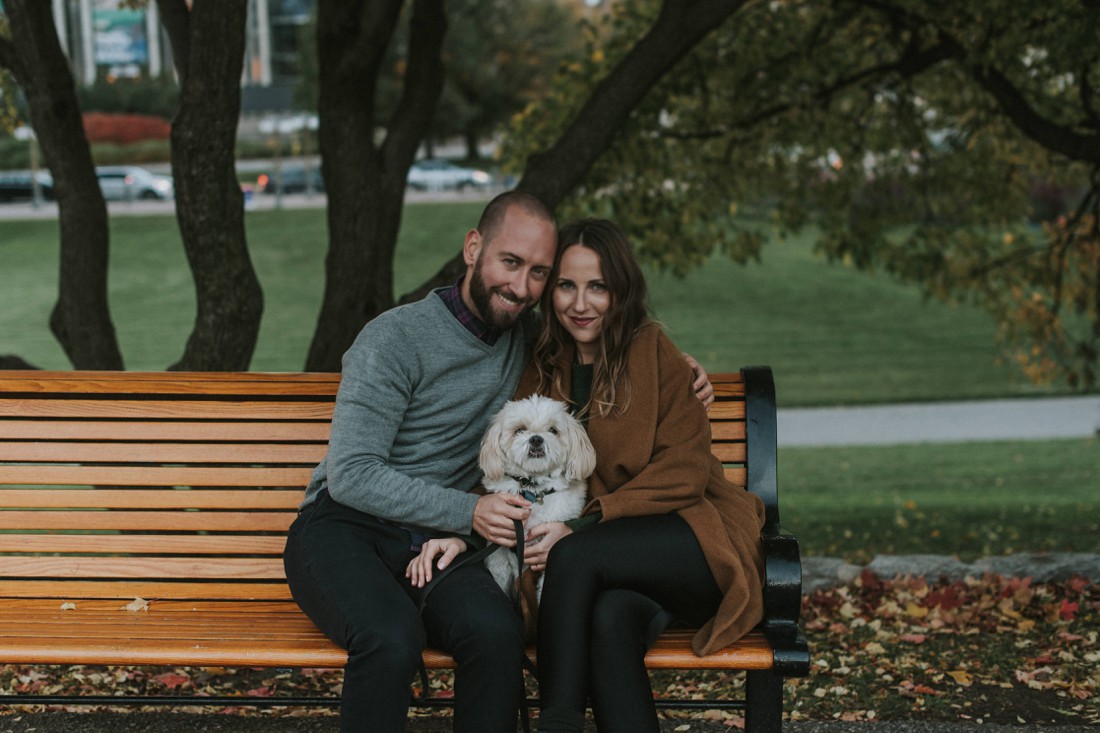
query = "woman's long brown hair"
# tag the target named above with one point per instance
(627, 313)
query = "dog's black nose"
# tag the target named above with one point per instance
(535, 441)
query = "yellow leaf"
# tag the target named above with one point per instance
(915, 611)
(962, 677)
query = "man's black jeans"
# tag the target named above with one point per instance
(346, 570)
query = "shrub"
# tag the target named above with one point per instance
(124, 128)
(149, 96)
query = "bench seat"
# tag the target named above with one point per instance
(143, 518)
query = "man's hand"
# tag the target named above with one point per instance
(704, 390)
(495, 515)
(419, 571)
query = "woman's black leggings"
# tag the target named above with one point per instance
(609, 591)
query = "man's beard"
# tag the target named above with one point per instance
(497, 322)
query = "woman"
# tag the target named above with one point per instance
(675, 540)
(666, 537)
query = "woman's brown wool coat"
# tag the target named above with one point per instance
(655, 458)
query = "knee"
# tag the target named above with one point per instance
(624, 619)
(571, 555)
(395, 646)
(497, 634)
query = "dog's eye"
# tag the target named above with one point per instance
(521, 429)
(553, 431)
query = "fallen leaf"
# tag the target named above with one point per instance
(68, 606)
(172, 680)
(138, 604)
(961, 677)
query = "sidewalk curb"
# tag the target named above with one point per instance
(821, 573)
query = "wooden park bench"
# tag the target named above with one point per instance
(143, 516)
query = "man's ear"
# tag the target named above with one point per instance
(471, 247)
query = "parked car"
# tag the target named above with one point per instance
(128, 182)
(19, 185)
(436, 174)
(293, 179)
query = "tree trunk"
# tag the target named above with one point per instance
(81, 318)
(553, 173)
(366, 181)
(208, 46)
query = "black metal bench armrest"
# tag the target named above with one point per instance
(783, 604)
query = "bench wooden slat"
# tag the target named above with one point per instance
(186, 383)
(162, 544)
(86, 475)
(142, 567)
(170, 409)
(727, 411)
(127, 590)
(166, 521)
(729, 452)
(179, 633)
(51, 498)
(727, 430)
(736, 475)
(277, 431)
(100, 452)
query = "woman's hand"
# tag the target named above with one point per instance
(540, 539)
(419, 571)
(704, 390)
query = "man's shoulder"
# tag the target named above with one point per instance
(410, 315)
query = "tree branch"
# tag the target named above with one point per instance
(9, 59)
(1051, 135)
(175, 17)
(423, 85)
(552, 173)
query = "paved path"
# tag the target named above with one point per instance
(190, 723)
(1018, 419)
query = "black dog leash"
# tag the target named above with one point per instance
(484, 552)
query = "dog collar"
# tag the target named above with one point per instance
(527, 484)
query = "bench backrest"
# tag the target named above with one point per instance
(172, 485)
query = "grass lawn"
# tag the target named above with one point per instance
(833, 335)
(965, 499)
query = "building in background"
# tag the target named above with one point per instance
(109, 40)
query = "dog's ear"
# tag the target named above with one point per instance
(582, 456)
(491, 459)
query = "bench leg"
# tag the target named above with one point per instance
(764, 695)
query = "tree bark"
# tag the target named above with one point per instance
(553, 173)
(81, 318)
(365, 180)
(208, 48)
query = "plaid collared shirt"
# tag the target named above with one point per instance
(452, 298)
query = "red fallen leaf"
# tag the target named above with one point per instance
(261, 692)
(1077, 584)
(948, 599)
(869, 580)
(1068, 611)
(924, 690)
(171, 680)
(913, 638)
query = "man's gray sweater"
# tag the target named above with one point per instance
(417, 392)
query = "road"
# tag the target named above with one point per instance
(254, 202)
(1016, 419)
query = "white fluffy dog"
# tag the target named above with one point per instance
(536, 449)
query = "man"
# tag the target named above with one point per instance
(419, 386)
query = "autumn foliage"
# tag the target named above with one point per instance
(123, 129)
